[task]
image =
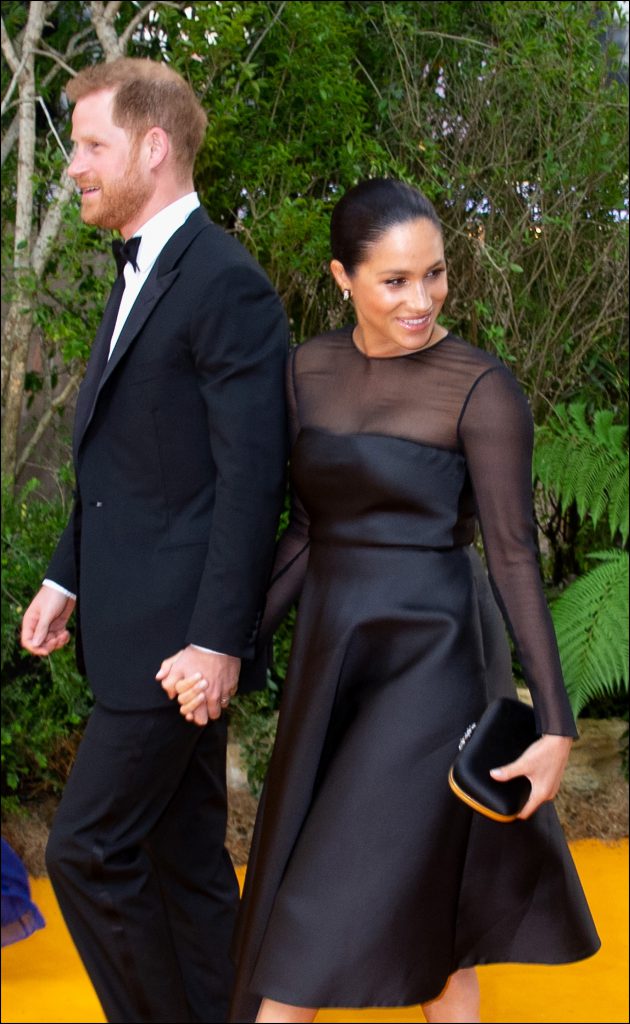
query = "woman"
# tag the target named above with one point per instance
(369, 883)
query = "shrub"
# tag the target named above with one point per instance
(253, 718)
(45, 700)
(582, 463)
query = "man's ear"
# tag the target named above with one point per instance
(157, 146)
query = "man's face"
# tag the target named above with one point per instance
(107, 166)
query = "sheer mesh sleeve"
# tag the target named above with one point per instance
(289, 568)
(496, 433)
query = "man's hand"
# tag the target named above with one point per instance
(44, 623)
(213, 679)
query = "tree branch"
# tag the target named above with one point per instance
(44, 422)
(264, 32)
(135, 21)
(10, 136)
(9, 52)
(52, 222)
(102, 19)
(20, 314)
(9, 139)
(447, 35)
(110, 11)
(49, 52)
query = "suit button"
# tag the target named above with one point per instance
(96, 504)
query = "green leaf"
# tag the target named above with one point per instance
(591, 622)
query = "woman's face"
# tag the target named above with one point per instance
(398, 290)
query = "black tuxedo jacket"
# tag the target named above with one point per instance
(180, 453)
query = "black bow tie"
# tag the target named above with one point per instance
(126, 252)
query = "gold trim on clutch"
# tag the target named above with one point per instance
(476, 806)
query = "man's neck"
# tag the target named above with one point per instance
(158, 201)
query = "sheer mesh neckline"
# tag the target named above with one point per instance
(419, 396)
(403, 355)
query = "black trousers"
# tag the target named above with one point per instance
(137, 861)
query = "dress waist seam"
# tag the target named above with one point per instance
(345, 543)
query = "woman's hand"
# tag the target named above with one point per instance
(191, 694)
(543, 763)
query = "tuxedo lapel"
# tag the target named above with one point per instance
(98, 360)
(162, 276)
(153, 290)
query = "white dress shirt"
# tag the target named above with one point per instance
(154, 235)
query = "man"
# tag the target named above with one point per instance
(179, 451)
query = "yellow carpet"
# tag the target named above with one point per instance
(43, 981)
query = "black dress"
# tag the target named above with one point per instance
(368, 882)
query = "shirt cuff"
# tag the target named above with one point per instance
(208, 650)
(57, 586)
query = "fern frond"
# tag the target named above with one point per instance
(586, 464)
(591, 622)
(618, 507)
(607, 431)
(577, 414)
(593, 494)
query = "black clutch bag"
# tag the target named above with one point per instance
(501, 735)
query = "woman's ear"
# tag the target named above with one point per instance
(340, 276)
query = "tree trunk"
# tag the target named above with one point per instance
(20, 317)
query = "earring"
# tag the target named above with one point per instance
(346, 294)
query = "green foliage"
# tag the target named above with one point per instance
(582, 462)
(476, 103)
(510, 116)
(44, 700)
(253, 719)
(586, 463)
(498, 111)
(78, 278)
(288, 129)
(591, 622)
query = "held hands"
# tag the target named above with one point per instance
(44, 623)
(202, 682)
(543, 763)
